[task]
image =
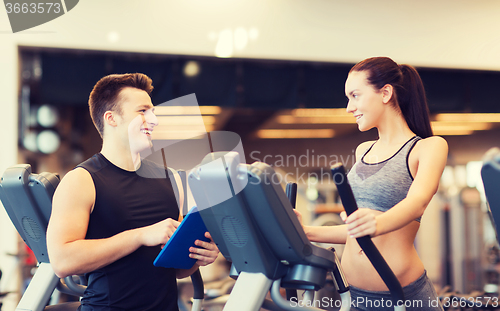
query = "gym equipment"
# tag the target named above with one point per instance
(291, 194)
(256, 228)
(490, 173)
(2, 294)
(27, 198)
(488, 300)
(365, 242)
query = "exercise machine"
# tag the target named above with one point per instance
(27, 198)
(252, 222)
(2, 294)
(490, 173)
(488, 299)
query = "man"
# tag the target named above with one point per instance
(109, 221)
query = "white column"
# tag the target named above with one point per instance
(8, 156)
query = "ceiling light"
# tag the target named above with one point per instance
(113, 36)
(47, 116)
(468, 117)
(473, 126)
(322, 112)
(191, 69)
(286, 133)
(452, 132)
(29, 141)
(224, 46)
(186, 110)
(176, 135)
(48, 141)
(183, 128)
(185, 120)
(332, 119)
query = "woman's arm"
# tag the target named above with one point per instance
(324, 234)
(327, 234)
(432, 155)
(331, 234)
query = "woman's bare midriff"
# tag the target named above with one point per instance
(397, 249)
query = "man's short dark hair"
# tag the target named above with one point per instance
(104, 95)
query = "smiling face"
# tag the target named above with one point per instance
(137, 119)
(365, 102)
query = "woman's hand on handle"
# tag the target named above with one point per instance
(360, 223)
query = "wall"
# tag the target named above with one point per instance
(8, 156)
(455, 34)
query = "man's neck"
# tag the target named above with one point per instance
(121, 157)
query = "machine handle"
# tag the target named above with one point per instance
(291, 193)
(349, 202)
(199, 289)
(76, 289)
(184, 207)
(196, 279)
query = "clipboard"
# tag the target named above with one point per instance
(175, 254)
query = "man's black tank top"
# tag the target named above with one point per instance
(126, 200)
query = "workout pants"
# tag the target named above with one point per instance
(420, 295)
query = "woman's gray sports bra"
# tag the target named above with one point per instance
(380, 186)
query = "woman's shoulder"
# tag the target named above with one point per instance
(433, 142)
(433, 145)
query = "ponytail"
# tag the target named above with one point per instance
(413, 103)
(409, 90)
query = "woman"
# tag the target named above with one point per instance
(393, 181)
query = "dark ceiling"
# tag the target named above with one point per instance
(254, 89)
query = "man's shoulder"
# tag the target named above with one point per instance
(92, 164)
(77, 178)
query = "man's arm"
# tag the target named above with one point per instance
(69, 252)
